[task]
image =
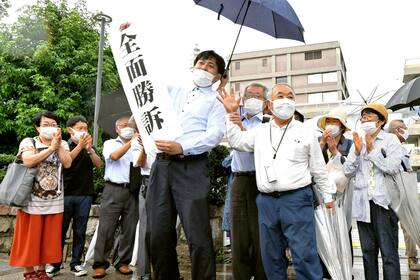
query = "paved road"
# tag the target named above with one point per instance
(223, 271)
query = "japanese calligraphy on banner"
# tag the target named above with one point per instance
(149, 100)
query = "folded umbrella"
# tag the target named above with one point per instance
(333, 241)
(402, 190)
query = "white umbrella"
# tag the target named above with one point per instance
(402, 189)
(91, 248)
(333, 241)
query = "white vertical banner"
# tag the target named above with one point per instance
(147, 96)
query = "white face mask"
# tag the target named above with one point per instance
(369, 127)
(335, 129)
(253, 106)
(127, 132)
(48, 132)
(405, 134)
(283, 108)
(77, 134)
(202, 78)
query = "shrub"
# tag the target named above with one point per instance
(218, 175)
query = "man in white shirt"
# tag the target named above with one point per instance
(118, 203)
(286, 156)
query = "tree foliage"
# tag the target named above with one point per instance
(218, 175)
(4, 5)
(48, 61)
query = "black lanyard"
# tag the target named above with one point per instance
(281, 139)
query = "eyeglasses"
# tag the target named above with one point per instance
(257, 96)
(369, 117)
(49, 125)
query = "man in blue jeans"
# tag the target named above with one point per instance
(78, 191)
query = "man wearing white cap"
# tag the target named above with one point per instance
(286, 158)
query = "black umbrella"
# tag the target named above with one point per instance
(273, 17)
(406, 96)
(113, 107)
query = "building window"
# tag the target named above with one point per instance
(330, 77)
(264, 62)
(315, 79)
(330, 96)
(281, 80)
(237, 87)
(315, 97)
(237, 65)
(320, 97)
(313, 55)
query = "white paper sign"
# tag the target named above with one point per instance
(148, 98)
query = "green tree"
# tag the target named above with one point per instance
(218, 175)
(48, 61)
(4, 5)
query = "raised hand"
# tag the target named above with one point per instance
(229, 101)
(326, 135)
(88, 142)
(124, 25)
(56, 141)
(369, 142)
(358, 143)
(332, 145)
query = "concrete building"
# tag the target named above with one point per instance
(317, 72)
(412, 71)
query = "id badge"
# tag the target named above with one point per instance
(271, 174)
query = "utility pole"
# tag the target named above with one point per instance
(102, 18)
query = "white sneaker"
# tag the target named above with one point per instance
(79, 270)
(52, 271)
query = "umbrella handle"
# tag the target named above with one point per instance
(220, 11)
(239, 32)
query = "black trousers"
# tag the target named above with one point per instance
(180, 187)
(246, 256)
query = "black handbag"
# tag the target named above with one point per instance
(135, 179)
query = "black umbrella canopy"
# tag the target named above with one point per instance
(113, 107)
(406, 96)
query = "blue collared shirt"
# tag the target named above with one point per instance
(386, 160)
(201, 116)
(117, 171)
(244, 161)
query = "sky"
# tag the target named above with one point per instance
(376, 36)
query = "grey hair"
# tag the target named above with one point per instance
(265, 89)
(119, 119)
(286, 85)
(393, 125)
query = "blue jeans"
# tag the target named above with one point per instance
(380, 234)
(76, 208)
(287, 219)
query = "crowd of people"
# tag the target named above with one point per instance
(275, 163)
